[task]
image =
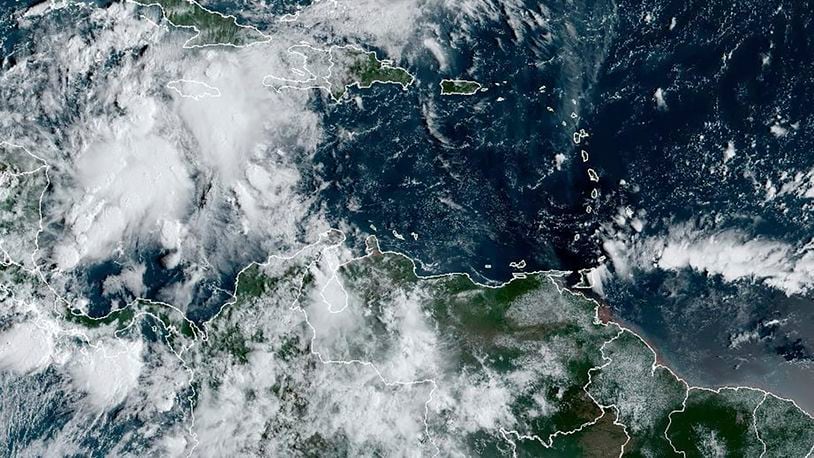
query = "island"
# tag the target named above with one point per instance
(212, 28)
(192, 89)
(459, 87)
(356, 67)
(337, 69)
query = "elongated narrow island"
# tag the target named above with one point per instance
(212, 28)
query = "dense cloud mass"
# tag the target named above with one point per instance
(138, 169)
(730, 254)
(146, 169)
(171, 285)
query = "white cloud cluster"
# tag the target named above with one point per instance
(367, 350)
(214, 181)
(48, 364)
(367, 22)
(343, 331)
(210, 172)
(129, 179)
(109, 371)
(732, 254)
(25, 348)
(182, 149)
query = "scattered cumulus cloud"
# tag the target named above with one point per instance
(731, 254)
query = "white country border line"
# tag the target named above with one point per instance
(371, 251)
(321, 241)
(44, 168)
(327, 86)
(608, 361)
(187, 45)
(7, 258)
(604, 409)
(296, 305)
(480, 87)
(754, 425)
(37, 272)
(656, 365)
(653, 368)
(175, 86)
(549, 443)
(201, 334)
(190, 400)
(386, 63)
(205, 331)
(549, 274)
(293, 17)
(305, 84)
(190, 413)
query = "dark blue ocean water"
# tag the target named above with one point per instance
(477, 180)
(475, 177)
(9, 32)
(728, 71)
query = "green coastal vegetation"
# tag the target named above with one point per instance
(337, 69)
(459, 87)
(122, 317)
(607, 376)
(212, 27)
(20, 213)
(368, 70)
(717, 423)
(24, 179)
(363, 69)
(575, 385)
(170, 323)
(784, 428)
(644, 395)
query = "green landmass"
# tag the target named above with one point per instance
(363, 69)
(601, 440)
(24, 179)
(507, 324)
(175, 328)
(717, 424)
(784, 428)
(252, 283)
(368, 70)
(212, 28)
(301, 339)
(459, 87)
(122, 318)
(587, 379)
(337, 69)
(643, 395)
